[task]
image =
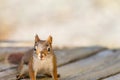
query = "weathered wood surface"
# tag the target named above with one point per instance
(86, 63)
(113, 77)
(95, 67)
(69, 55)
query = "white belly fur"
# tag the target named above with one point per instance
(43, 66)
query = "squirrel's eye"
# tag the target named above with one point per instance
(48, 49)
(34, 49)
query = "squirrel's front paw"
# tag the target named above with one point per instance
(19, 77)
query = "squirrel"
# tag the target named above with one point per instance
(40, 60)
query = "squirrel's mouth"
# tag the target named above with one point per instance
(41, 56)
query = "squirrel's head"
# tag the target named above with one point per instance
(43, 47)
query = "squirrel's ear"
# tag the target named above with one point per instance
(49, 39)
(37, 38)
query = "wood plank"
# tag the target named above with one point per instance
(113, 77)
(7, 69)
(4, 67)
(13, 77)
(65, 56)
(6, 73)
(95, 67)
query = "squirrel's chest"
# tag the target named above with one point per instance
(42, 66)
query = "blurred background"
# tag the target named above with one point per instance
(72, 23)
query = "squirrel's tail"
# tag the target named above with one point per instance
(14, 58)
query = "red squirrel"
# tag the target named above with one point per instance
(40, 60)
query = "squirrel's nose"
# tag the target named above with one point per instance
(41, 51)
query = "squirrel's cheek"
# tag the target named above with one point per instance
(39, 56)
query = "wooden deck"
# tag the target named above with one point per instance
(83, 63)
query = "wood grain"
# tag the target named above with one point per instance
(93, 68)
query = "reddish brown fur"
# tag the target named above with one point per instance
(43, 51)
(14, 58)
